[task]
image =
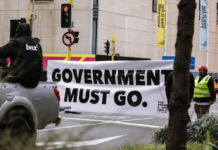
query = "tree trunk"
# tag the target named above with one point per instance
(179, 101)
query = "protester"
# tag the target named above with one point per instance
(169, 84)
(203, 92)
(26, 58)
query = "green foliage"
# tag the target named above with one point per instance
(160, 136)
(196, 130)
(155, 146)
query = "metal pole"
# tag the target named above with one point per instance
(207, 33)
(69, 48)
(113, 48)
(70, 30)
(165, 43)
(33, 16)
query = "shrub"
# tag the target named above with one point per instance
(196, 130)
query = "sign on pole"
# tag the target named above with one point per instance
(161, 19)
(68, 38)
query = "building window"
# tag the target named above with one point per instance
(154, 5)
(13, 23)
(217, 13)
(95, 26)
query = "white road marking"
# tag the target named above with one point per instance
(137, 119)
(54, 145)
(104, 122)
(138, 125)
(70, 127)
(84, 119)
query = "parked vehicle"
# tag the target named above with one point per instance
(24, 110)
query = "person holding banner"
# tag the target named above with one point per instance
(204, 92)
(169, 84)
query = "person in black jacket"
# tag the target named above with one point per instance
(26, 58)
(169, 84)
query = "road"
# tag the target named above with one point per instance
(88, 131)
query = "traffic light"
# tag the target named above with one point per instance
(66, 10)
(107, 47)
(76, 34)
(117, 56)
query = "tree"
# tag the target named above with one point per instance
(179, 98)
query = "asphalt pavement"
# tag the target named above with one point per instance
(87, 131)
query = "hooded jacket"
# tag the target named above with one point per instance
(26, 57)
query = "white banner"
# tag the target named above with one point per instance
(133, 88)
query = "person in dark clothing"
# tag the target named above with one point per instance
(3, 63)
(26, 58)
(204, 92)
(169, 84)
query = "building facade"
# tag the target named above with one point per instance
(132, 22)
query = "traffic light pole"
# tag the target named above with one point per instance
(113, 48)
(30, 20)
(70, 30)
(69, 48)
(33, 16)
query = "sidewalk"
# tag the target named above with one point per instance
(213, 110)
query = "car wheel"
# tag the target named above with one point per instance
(17, 135)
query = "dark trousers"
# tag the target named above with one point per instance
(201, 110)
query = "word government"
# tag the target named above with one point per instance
(113, 77)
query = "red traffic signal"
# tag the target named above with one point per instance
(66, 15)
(64, 8)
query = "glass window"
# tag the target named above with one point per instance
(154, 5)
(217, 13)
(13, 23)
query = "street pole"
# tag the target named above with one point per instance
(207, 33)
(33, 16)
(70, 30)
(165, 44)
(113, 48)
(69, 48)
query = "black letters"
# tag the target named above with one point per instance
(139, 77)
(69, 96)
(108, 76)
(85, 100)
(87, 76)
(95, 96)
(129, 76)
(97, 74)
(166, 73)
(138, 101)
(77, 77)
(54, 73)
(67, 71)
(122, 98)
(156, 78)
(104, 97)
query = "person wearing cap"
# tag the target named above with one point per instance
(203, 92)
(25, 54)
